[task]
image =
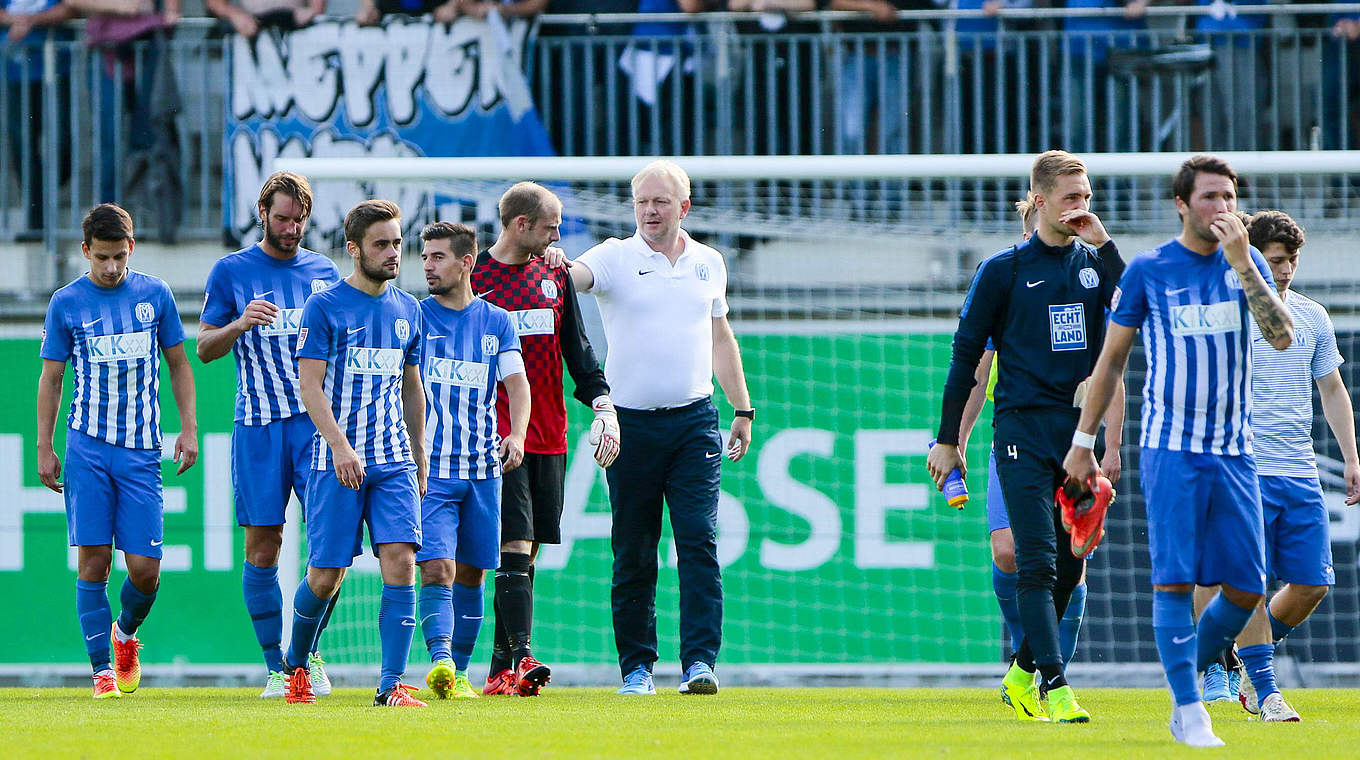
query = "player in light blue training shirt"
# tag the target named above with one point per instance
(359, 351)
(253, 308)
(470, 345)
(112, 325)
(1194, 298)
(1298, 547)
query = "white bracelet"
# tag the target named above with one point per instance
(1084, 440)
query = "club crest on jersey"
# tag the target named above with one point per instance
(1231, 279)
(549, 289)
(1067, 326)
(701, 271)
(403, 330)
(318, 285)
(1088, 277)
(491, 345)
(145, 312)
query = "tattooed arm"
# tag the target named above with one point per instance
(1266, 307)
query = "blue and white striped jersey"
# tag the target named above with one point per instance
(1194, 317)
(367, 343)
(1282, 389)
(266, 371)
(112, 337)
(462, 354)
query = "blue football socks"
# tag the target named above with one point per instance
(136, 604)
(1278, 630)
(468, 609)
(436, 620)
(307, 611)
(396, 623)
(1173, 626)
(96, 619)
(1258, 660)
(1219, 624)
(1003, 583)
(264, 602)
(1070, 625)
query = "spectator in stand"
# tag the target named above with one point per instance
(781, 114)
(249, 17)
(1089, 41)
(656, 64)
(1341, 63)
(21, 97)
(1237, 76)
(507, 8)
(872, 83)
(575, 111)
(131, 36)
(371, 12)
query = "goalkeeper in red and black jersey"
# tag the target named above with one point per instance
(542, 303)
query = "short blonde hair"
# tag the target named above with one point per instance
(1049, 166)
(667, 170)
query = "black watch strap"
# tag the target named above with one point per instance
(749, 414)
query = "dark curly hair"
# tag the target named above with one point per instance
(1268, 227)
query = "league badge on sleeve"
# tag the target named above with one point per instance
(302, 338)
(318, 285)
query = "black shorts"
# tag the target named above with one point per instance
(531, 499)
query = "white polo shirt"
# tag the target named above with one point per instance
(658, 319)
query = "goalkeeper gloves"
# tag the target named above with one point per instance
(604, 431)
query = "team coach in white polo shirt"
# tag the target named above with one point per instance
(663, 300)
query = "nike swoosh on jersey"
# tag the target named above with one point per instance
(353, 330)
(158, 543)
(92, 324)
(262, 295)
(710, 455)
(433, 337)
(411, 623)
(648, 271)
(1171, 292)
(1029, 284)
(487, 293)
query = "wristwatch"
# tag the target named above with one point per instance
(749, 414)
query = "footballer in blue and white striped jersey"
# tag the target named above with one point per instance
(266, 370)
(366, 342)
(464, 359)
(1195, 323)
(113, 337)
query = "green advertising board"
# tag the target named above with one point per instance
(835, 547)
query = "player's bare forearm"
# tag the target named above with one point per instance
(215, 342)
(49, 399)
(1114, 416)
(517, 391)
(581, 276)
(1337, 408)
(54, 16)
(1267, 309)
(727, 365)
(311, 374)
(182, 386)
(977, 398)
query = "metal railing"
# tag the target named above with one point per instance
(109, 129)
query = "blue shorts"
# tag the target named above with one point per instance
(997, 519)
(461, 520)
(1298, 547)
(1204, 519)
(387, 501)
(113, 496)
(268, 464)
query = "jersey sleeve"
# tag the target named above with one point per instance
(1263, 267)
(56, 342)
(415, 349)
(1130, 297)
(510, 359)
(1112, 264)
(219, 303)
(170, 331)
(1326, 356)
(577, 352)
(977, 321)
(720, 300)
(316, 333)
(597, 261)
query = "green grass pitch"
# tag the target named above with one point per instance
(789, 724)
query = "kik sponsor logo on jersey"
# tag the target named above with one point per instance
(287, 322)
(1205, 319)
(373, 361)
(533, 322)
(120, 348)
(463, 374)
(1067, 326)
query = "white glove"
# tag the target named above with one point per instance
(604, 431)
